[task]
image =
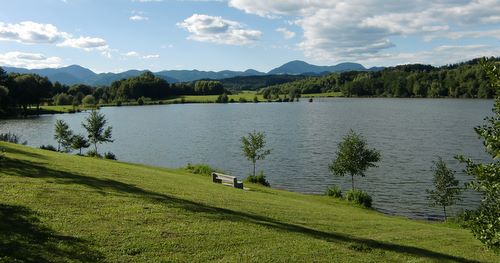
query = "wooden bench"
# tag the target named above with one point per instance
(227, 180)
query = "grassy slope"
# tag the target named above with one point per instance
(60, 207)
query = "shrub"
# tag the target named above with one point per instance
(223, 98)
(48, 147)
(255, 99)
(359, 197)
(200, 168)
(334, 191)
(140, 101)
(260, 178)
(93, 153)
(109, 156)
(242, 100)
(12, 138)
(119, 103)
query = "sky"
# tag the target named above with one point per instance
(118, 35)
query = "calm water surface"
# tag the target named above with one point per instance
(410, 133)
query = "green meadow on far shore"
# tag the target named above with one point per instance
(247, 96)
(57, 207)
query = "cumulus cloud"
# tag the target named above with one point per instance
(215, 29)
(444, 54)
(85, 43)
(29, 32)
(287, 34)
(336, 30)
(29, 60)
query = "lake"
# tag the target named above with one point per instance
(303, 136)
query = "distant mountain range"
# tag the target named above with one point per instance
(76, 74)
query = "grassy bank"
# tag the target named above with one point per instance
(61, 207)
(247, 96)
(322, 95)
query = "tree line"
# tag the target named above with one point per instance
(463, 80)
(20, 92)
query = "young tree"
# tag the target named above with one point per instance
(78, 142)
(484, 222)
(95, 125)
(353, 157)
(62, 134)
(446, 190)
(253, 147)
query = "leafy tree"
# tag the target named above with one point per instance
(253, 147)
(446, 190)
(62, 99)
(78, 142)
(485, 221)
(353, 157)
(62, 135)
(4, 92)
(95, 125)
(89, 100)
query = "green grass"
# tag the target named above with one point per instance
(59, 207)
(247, 95)
(322, 95)
(61, 109)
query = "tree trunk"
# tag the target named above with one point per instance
(58, 146)
(444, 210)
(95, 148)
(80, 150)
(253, 168)
(352, 181)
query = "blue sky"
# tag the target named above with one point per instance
(117, 35)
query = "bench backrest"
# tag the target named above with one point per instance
(224, 176)
(218, 178)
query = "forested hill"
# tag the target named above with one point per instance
(463, 80)
(76, 74)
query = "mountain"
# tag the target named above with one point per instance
(301, 67)
(190, 75)
(76, 74)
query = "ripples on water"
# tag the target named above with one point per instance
(410, 133)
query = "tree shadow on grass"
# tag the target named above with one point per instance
(24, 239)
(33, 169)
(18, 151)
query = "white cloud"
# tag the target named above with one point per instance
(29, 32)
(135, 54)
(132, 54)
(85, 43)
(138, 18)
(29, 60)
(215, 29)
(287, 34)
(445, 54)
(151, 56)
(340, 30)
